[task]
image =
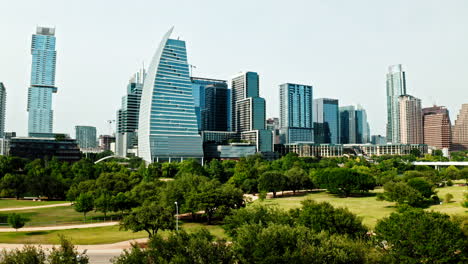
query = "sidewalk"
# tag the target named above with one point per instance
(48, 228)
(34, 207)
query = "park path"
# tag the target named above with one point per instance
(34, 207)
(48, 228)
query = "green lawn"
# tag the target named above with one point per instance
(92, 236)
(11, 203)
(57, 216)
(368, 207)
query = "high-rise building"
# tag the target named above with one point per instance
(411, 126)
(326, 121)
(362, 126)
(167, 127)
(437, 127)
(460, 130)
(272, 124)
(249, 111)
(42, 84)
(211, 100)
(107, 142)
(396, 86)
(86, 137)
(347, 125)
(378, 140)
(2, 109)
(296, 113)
(126, 139)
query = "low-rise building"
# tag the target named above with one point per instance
(63, 149)
(307, 149)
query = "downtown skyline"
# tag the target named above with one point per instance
(91, 85)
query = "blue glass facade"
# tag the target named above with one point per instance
(362, 126)
(168, 128)
(296, 113)
(327, 120)
(348, 125)
(40, 119)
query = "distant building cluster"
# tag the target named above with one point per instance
(169, 115)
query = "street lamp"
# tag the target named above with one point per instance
(177, 216)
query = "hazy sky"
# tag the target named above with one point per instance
(342, 48)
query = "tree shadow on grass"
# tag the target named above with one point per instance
(36, 233)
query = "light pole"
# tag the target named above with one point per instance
(177, 216)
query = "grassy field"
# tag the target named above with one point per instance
(10, 203)
(93, 236)
(57, 216)
(368, 207)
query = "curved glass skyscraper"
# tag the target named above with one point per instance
(167, 128)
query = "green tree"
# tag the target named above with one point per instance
(16, 221)
(84, 204)
(13, 185)
(103, 203)
(422, 186)
(271, 181)
(324, 217)
(199, 247)
(417, 236)
(402, 193)
(27, 255)
(296, 179)
(448, 197)
(344, 181)
(121, 203)
(67, 254)
(150, 217)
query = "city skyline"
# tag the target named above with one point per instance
(95, 69)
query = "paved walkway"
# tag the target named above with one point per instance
(34, 207)
(48, 228)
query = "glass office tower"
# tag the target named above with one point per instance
(326, 121)
(296, 118)
(362, 126)
(42, 84)
(396, 87)
(2, 109)
(348, 125)
(86, 137)
(167, 128)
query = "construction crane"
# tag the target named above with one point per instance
(109, 123)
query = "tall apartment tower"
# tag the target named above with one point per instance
(348, 124)
(460, 130)
(296, 113)
(437, 127)
(86, 137)
(2, 109)
(42, 84)
(326, 121)
(167, 127)
(411, 126)
(126, 138)
(362, 126)
(248, 111)
(396, 87)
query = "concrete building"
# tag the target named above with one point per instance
(42, 85)
(31, 148)
(326, 121)
(378, 140)
(307, 149)
(437, 127)
(167, 127)
(411, 126)
(126, 139)
(396, 87)
(387, 149)
(273, 125)
(249, 111)
(107, 142)
(296, 113)
(86, 137)
(460, 130)
(348, 124)
(2, 109)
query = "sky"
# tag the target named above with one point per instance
(342, 48)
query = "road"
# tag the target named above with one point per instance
(98, 254)
(34, 207)
(48, 228)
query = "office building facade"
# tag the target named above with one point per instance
(460, 130)
(378, 140)
(86, 137)
(126, 139)
(42, 84)
(167, 128)
(362, 126)
(437, 127)
(411, 126)
(2, 109)
(326, 121)
(296, 113)
(347, 124)
(396, 87)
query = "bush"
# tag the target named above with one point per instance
(448, 197)
(449, 183)
(16, 221)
